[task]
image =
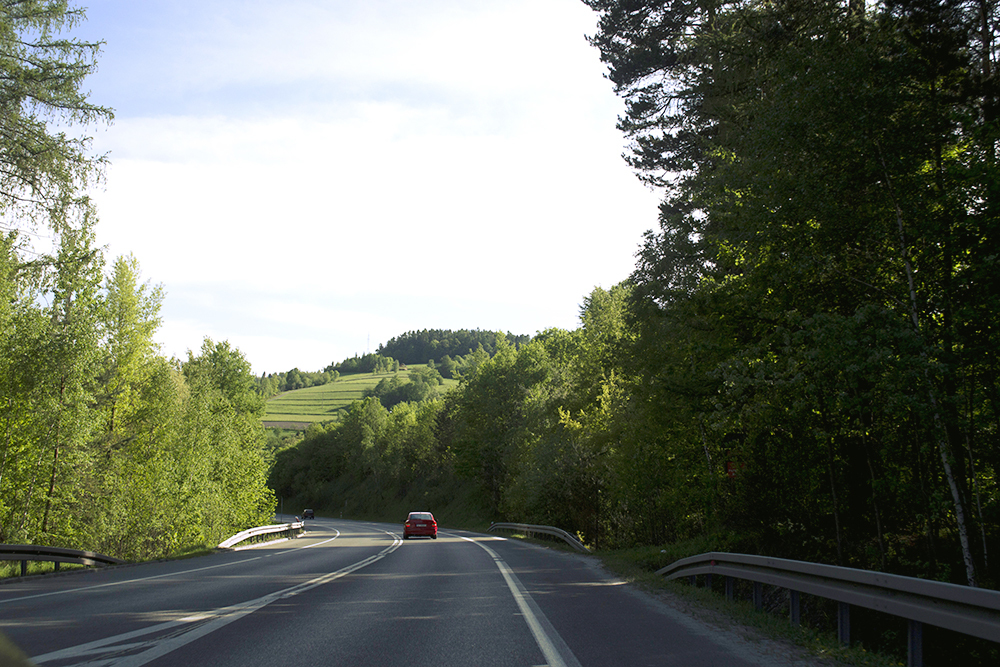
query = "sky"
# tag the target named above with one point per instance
(308, 179)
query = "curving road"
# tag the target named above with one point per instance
(353, 593)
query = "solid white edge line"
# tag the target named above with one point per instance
(560, 656)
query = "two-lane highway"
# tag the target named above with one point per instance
(353, 593)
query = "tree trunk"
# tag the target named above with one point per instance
(52, 488)
(878, 516)
(833, 494)
(940, 431)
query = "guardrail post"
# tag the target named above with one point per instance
(915, 644)
(24, 568)
(844, 623)
(729, 588)
(793, 607)
(758, 595)
(708, 581)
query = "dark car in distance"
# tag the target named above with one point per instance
(308, 514)
(420, 523)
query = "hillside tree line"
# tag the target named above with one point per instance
(419, 347)
(370, 362)
(272, 384)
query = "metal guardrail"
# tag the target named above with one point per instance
(292, 529)
(971, 611)
(545, 530)
(57, 555)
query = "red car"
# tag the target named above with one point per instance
(420, 523)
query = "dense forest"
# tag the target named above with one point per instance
(419, 347)
(104, 444)
(365, 363)
(805, 361)
(826, 264)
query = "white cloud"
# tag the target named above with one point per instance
(302, 179)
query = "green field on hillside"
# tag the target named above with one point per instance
(329, 401)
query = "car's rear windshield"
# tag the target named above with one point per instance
(426, 516)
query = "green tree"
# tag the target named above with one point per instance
(136, 507)
(129, 321)
(225, 455)
(495, 405)
(43, 75)
(131, 504)
(447, 367)
(422, 385)
(51, 361)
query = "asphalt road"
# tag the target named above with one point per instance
(352, 593)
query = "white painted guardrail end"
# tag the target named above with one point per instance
(244, 535)
(545, 530)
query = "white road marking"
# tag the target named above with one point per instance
(552, 646)
(210, 621)
(161, 576)
(308, 546)
(127, 581)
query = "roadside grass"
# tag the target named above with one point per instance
(330, 401)
(542, 541)
(12, 568)
(192, 552)
(11, 656)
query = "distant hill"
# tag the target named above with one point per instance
(301, 407)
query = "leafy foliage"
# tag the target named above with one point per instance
(423, 385)
(40, 170)
(104, 444)
(375, 462)
(827, 238)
